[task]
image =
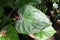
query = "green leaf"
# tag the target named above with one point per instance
(17, 3)
(46, 33)
(31, 20)
(57, 17)
(20, 3)
(10, 3)
(57, 1)
(43, 8)
(11, 32)
(3, 38)
(33, 4)
(38, 1)
(1, 11)
(7, 3)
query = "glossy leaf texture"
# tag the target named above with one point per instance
(31, 20)
(45, 34)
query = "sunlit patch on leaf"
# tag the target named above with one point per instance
(46, 33)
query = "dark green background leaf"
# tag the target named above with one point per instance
(3, 38)
(1, 11)
(12, 33)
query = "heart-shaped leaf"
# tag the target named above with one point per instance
(31, 20)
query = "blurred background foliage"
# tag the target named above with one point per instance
(9, 16)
